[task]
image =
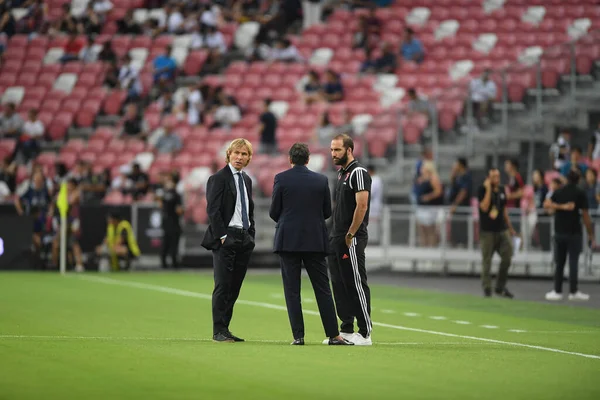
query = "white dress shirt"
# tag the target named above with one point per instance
(236, 219)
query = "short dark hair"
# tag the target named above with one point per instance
(267, 102)
(557, 181)
(412, 92)
(347, 141)
(114, 215)
(299, 154)
(577, 149)
(514, 162)
(463, 162)
(573, 177)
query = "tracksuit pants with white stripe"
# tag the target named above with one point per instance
(349, 281)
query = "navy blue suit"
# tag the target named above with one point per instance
(300, 205)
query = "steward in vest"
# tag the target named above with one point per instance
(119, 243)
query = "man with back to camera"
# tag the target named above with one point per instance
(230, 234)
(495, 233)
(567, 202)
(348, 240)
(301, 203)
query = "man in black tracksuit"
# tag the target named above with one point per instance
(172, 209)
(348, 240)
(567, 203)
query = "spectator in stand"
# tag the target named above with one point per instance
(137, 182)
(559, 151)
(312, 88)
(283, 51)
(267, 130)
(175, 19)
(385, 64)
(332, 90)
(166, 103)
(374, 24)
(228, 114)
(87, 53)
(325, 131)
(164, 66)
(129, 79)
(411, 48)
(483, 92)
(288, 12)
(461, 191)
(91, 20)
(418, 104)
(8, 177)
(92, 186)
(209, 15)
(107, 53)
(37, 16)
(515, 184)
(11, 123)
(28, 145)
(575, 163)
(127, 25)
(594, 145)
(111, 80)
(431, 195)
(133, 124)
(361, 36)
(169, 142)
(195, 101)
(72, 49)
(592, 189)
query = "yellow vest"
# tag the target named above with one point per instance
(113, 235)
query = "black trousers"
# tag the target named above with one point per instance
(316, 267)
(566, 245)
(170, 243)
(230, 264)
(349, 281)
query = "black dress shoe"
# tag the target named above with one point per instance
(222, 337)
(487, 292)
(298, 342)
(235, 338)
(504, 293)
(339, 342)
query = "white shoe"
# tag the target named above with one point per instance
(579, 296)
(553, 296)
(359, 340)
(79, 268)
(347, 336)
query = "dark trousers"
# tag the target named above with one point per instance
(566, 245)
(459, 229)
(491, 242)
(230, 264)
(349, 281)
(170, 244)
(316, 267)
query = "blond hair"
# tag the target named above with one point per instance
(237, 143)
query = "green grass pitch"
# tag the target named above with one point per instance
(147, 336)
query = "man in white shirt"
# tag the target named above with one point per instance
(174, 19)
(28, 142)
(194, 101)
(376, 205)
(483, 93)
(130, 79)
(560, 151)
(227, 114)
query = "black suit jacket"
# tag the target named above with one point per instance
(221, 195)
(300, 205)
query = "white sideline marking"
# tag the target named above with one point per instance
(438, 318)
(411, 314)
(277, 295)
(388, 311)
(517, 330)
(489, 326)
(462, 322)
(187, 293)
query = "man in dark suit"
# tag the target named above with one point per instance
(230, 234)
(300, 205)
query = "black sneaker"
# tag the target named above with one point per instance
(298, 342)
(487, 292)
(235, 338)
(504, 293)
(222, 337)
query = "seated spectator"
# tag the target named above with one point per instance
(411, 48)
(227, 114)
(332, 90)
(102, 8)
(68, 23)
(483, 93)
(91, 20)
(592, 189)
(267, 130)
(127, 25)
(360, 39)
(575, 164)
(209, 16)
(175, 19)
(11, 122)
(594, 145)
(92, 186)
(87, 53)
(283, 51)
(312, 88)
(386, 64)
(137, 182)
(164, 66)
(111, 79)
(151, 28)
(166, 103)
(8, 178)
(287, 12)
(194, 102)
(37, 17)
(129, 79)
(108, 53)
(72, 49)
(418, 104)
(132, 123)
(28, 145)
(169, 142)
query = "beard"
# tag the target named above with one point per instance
(341, 161)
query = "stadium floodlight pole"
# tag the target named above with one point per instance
(62, 203)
